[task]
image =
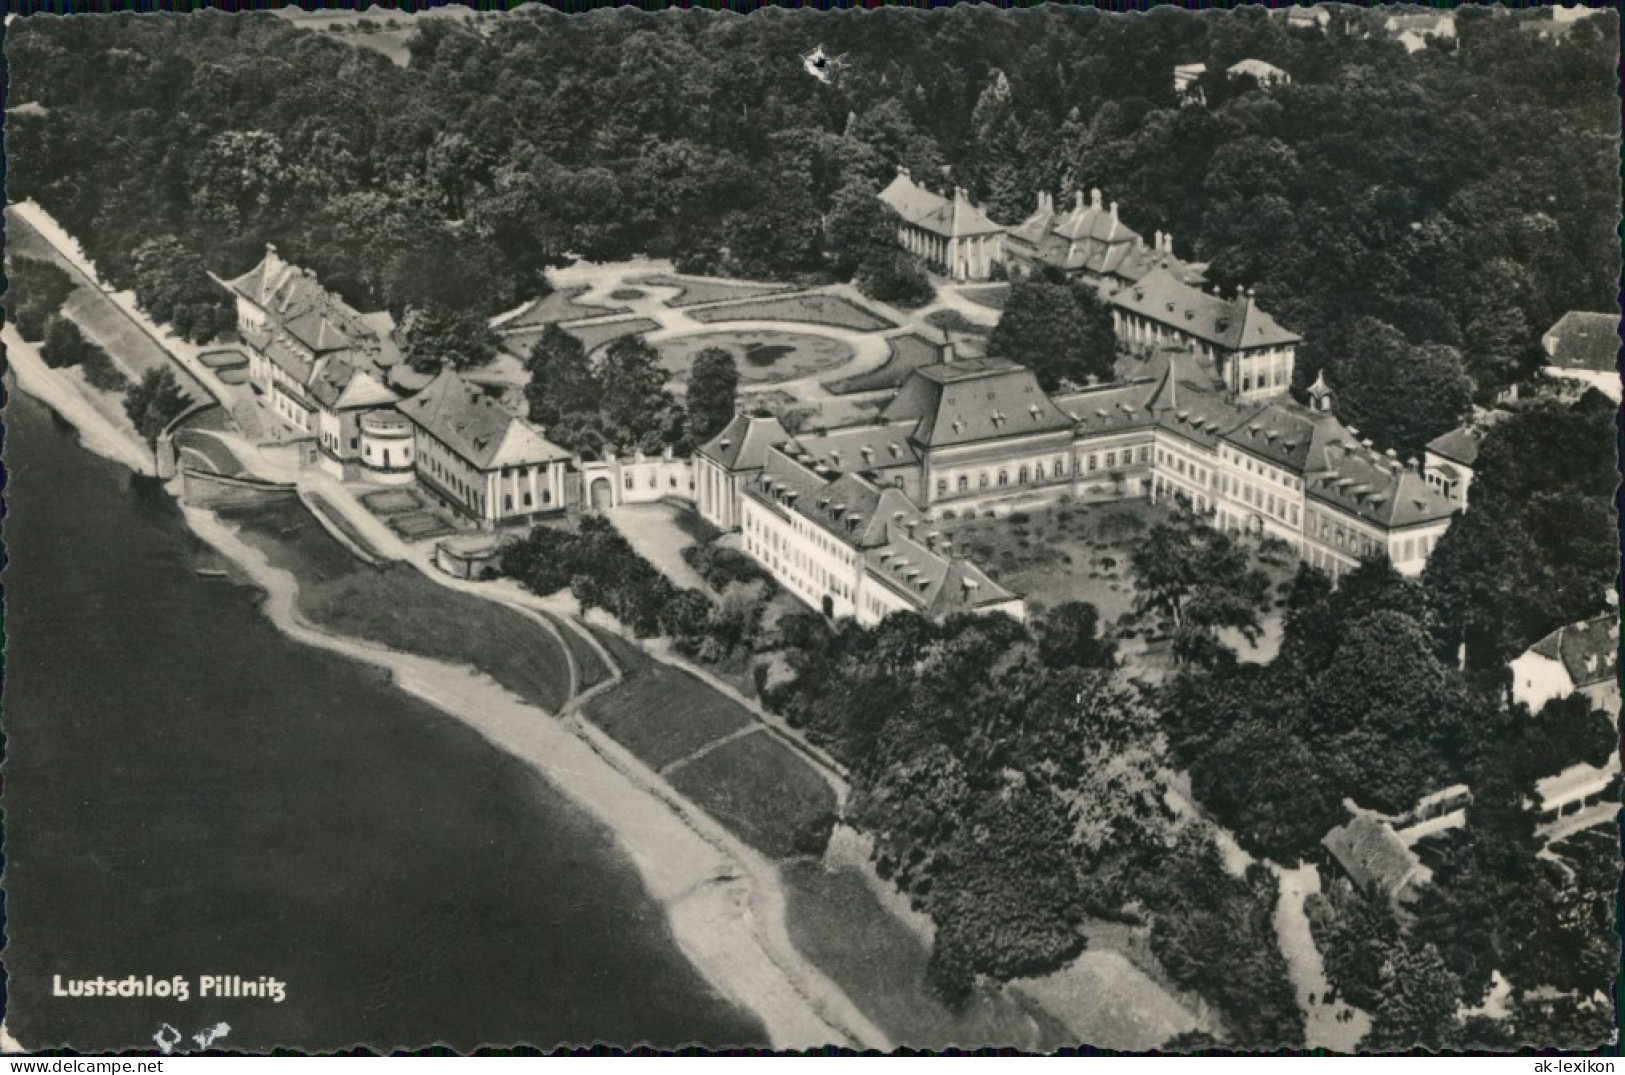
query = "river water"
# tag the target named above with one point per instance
(187, 792)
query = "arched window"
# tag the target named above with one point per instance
(982, 482)
(1004, 478)
(1021, 476)
(964, 483)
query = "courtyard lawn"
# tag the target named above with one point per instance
(762, 356)
(560, 305)
(763, 792)
(993, 297)
(1068, 552)
(829, 310)
(908, 352)
(698, 290)
(395, 606)
(1080, 552)
(383, 502)
(662, 714)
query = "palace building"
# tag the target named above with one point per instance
(1253, 353)
(971, 437)
(319, 365)
(479, 459)
(951, 235)
(1089, 243)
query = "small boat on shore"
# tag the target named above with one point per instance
(210, 572)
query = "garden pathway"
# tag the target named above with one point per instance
(1338, 1026)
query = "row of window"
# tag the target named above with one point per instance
(1025, 475)
(628, 482)
(1256, 498)
(1268, 473)
(1199, 475)
(1163, 489)
(507, 500)
(452, 481)
(1114, 459)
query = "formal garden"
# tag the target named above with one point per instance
(763, 356)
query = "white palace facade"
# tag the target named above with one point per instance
(833, 513)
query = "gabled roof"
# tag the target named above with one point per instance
(1589, 650)
(743, 442)
(338, 385)
(1374, 856)
(1109, 408)
(1260, 70)
(1291, 436)
(951, 217)
(1584, 341)
(859, 447)
(1232, 325)
(1373, 487)
(968, 401)
(1460, 445)
(936, 584)
(469, 422)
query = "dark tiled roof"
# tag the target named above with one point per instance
(1290, 436)
(860, 448)
(1459, 445)
(1589, 650)
(1232, 325)
(952, 217)
(1380, 490)
(1373, 855)
(936, 584)
(1109, 409)
(469, 422)
(743, 442)
(1584, 341)
(964, 402)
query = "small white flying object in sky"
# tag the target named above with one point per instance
(822, 66)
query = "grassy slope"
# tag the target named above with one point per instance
(762, 790)
(831, 310)
(397, 607)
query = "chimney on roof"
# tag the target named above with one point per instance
(1114, 212)
(1077, 201)
(868, 453)
(970, 586)
(1094, 197)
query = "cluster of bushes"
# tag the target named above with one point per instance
(35, 292)
(603, 571)
(66, 346)
(722, 567)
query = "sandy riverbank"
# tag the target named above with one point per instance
(66, 393)
(724, 907)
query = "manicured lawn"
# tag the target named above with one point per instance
(763, 792)
(697, 290)
(830, 310)
(836, 921)
(762, 356)
(393, 501)
(560, 305)
(662, 714)
(590, 668)
(954, 321)
(396, 606)
(993, 297)
(908, 352)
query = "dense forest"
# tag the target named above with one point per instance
(1435, 209)
(1418, 218)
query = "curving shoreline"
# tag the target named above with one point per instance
(724, 904)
